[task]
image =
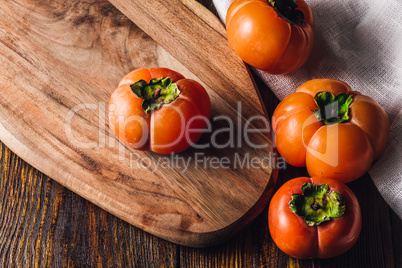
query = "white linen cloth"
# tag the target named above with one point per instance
(360, 43)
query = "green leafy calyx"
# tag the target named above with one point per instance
(155, 93)
(317, 204)
(332, 109)
(286, 9)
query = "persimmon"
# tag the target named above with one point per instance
(272, 35)
(158, 109)
(333, 131)
(314, 218)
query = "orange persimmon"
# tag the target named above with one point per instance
(158, 109)
(334, 131)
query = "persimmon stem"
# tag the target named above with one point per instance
(287, 10)
(155, 93)
(332, 109)
(317, 204)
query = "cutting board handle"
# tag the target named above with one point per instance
(197, 39)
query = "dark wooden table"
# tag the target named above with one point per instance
(43, 224)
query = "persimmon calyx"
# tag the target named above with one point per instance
(332, 109)
(155, 93)
(286, 9)
(317, 204)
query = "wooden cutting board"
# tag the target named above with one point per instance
(61, 60)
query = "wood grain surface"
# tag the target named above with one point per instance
(43, 224)
(192, 34)
(61, 61)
